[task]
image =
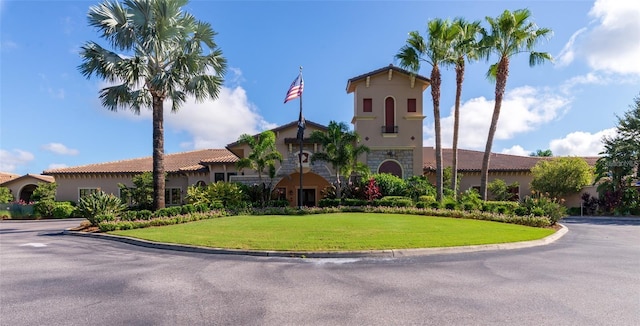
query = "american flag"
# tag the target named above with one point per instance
(295, 90)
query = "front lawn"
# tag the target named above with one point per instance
(337, 232)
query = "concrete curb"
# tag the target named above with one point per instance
(390, 253)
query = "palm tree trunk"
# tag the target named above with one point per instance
(501, 84)
(456, 125)
(158, 153)
(435, 94)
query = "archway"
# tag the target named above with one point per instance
(391, 167)
(312, 186)
(26, 192)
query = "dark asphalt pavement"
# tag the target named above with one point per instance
(591, 276)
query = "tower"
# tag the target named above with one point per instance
(388, 114)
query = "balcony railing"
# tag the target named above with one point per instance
(389, 129)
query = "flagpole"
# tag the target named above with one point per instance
(301, 144)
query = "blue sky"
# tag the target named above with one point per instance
(51, 115)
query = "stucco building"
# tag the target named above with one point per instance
(388, 114)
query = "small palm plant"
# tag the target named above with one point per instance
(99, 206)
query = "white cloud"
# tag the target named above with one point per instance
(54, 166)
(612, 43)
(60, 149)
(214, 124)
(211, 124)
(10, 160)
(523, 109)
(580, 143)
(566, 56)
(516, 150)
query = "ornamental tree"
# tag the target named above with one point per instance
(561, 176)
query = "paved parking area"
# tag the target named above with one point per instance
(588, 277)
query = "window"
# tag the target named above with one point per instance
(411, 105)
(172, 196)
(86, 192)
(389, 116)
(367, 105)
(201, 184)
(218, 176)
(230, 174)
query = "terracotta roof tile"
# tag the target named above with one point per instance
(5, 176)
(185, 161)
(39, 177)
(469, 160)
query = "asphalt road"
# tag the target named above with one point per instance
(591, 276)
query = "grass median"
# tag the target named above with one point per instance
(337, 232)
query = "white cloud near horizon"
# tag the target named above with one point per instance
(524, 109)
(11, 160)
(516, 150)
(54, 166)
(212, 123)
(59, 149)
(611, 44)
(580, 143)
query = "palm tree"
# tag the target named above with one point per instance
(161, 59)
(465, 48)
(341, 150)
(263, 156)
(436, 49)
(510, 33)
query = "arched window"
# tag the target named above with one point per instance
(390, 116)
(391, 167)
(201, 184)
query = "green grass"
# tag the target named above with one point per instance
(337, 232)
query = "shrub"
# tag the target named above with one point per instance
(329, 202)
(106, 217)
(418, 186)
(372, 191)
(427, 198)
(470, 200)
(63, 209)
(449, 203)
(541, 205)
(44, 191)
(144, 214)
(393, 201)
(188, 209)
(99, 203)
(5, 195)
(390, 185)
(354, 202)
(141, 194)
(44, 207)
(501, 207)
(230, 194)
(197, 195)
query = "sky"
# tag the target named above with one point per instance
(51, 117)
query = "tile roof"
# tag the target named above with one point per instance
(384, 70)
(471, 161)
(176, 162)
(5, 176)
(38, 177)
(286, 126)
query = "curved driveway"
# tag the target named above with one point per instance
(591, 276)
